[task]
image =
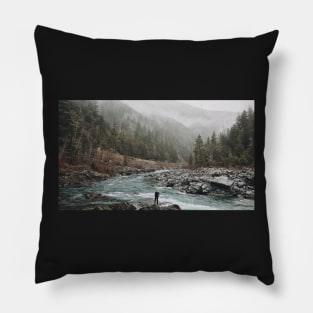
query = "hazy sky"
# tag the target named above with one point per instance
(222, 105)
(210, 105)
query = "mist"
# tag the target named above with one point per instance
(212, 115)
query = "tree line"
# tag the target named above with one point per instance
(230, 148)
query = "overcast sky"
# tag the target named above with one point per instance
(210, 105)
(222, 105)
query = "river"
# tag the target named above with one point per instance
(139, 189)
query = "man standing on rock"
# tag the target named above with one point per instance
(156, 198)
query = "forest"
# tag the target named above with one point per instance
(88, 129)
(233, 147)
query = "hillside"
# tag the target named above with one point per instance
(86, 128)
(197, 120)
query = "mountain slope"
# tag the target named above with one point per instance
(128, 119)
(86, 127)
(197, 119)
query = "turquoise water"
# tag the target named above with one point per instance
(139, 189)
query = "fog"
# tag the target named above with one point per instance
(222, 105)
(211, 114)
(209, 105)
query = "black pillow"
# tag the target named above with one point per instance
(171, 179)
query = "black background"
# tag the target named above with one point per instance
(75, 67)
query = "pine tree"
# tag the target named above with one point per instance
(207, 151)
(233, 147)
(199, 151)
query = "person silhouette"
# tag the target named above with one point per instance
(156, 198)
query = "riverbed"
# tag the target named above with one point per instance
(139, 189)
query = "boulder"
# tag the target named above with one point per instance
(170, 207)
(216, 173)
(194, 188)
(102, 208)
(249, 194)
(206, 187)
(222, 182)
(122, 206)
(170, 183)
(240, 184)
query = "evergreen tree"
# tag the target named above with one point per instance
(207, 151)
(233, 147)
(199, 151)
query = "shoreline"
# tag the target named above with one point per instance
(217, 181)
(81, 175)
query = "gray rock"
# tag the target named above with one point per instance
(222, 182)
(212, 181)
(249, 194)
(170, 183)
(216, 173)
(194, 188)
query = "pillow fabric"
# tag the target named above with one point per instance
(171, 179)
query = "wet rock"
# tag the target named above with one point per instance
(102, 208)
(92, 195)
(170, 207)
(122, 206)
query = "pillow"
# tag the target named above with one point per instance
(170, 179)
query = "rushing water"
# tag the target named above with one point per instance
(139, 189)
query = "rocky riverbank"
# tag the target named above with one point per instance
(75, 176)
(209, 181)
(127, 206)
(94, 201)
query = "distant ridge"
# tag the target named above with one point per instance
(197, 119)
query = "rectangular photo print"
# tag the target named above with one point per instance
(147, 155)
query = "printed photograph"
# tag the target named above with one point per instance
(147, 155)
